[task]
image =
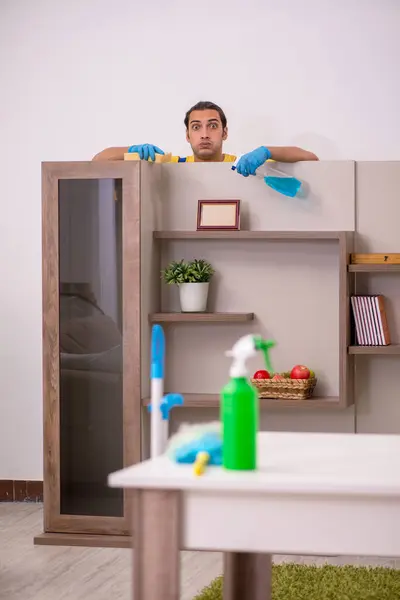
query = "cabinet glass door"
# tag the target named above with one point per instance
(91, 344)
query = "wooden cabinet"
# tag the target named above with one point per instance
(91, 345)
(108, 230)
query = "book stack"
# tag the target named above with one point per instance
(371, 326)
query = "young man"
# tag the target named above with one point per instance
(206, 130)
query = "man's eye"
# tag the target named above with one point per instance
(195, 127)
(214, 125)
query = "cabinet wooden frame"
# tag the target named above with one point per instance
(52, 173)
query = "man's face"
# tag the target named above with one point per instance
(205, 134)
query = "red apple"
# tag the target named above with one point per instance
(262, 374)
(277, 377)
(300, 372)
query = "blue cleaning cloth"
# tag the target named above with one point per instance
(289, 186)
(209, 442)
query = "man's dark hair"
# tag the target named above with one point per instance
(203, 105)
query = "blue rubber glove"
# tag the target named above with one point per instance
(146, 151)
(249, 163)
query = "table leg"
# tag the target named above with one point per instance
(247, 576)
(156, 541)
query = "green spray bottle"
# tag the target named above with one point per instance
(240, 406)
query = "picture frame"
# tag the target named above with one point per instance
(218, 215)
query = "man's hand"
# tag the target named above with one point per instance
(146, 151)
(111, 154)
(249, 163)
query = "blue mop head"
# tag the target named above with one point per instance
(186, 444)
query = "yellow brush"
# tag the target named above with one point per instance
(200, 463)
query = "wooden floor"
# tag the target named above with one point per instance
(29, 572)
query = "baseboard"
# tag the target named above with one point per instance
(86, 540)
(21, 491)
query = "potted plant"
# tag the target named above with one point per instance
(193, 280)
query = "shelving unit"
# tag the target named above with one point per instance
(138, 215)
(346, 371)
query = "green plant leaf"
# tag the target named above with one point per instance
(195, 271)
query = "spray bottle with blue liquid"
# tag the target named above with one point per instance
(278, 180)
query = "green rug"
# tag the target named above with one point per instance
(301, 582)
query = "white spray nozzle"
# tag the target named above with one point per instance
(242, 350)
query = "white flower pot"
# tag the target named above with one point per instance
(193, 296)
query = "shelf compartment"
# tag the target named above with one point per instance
(211, 317)
(250, 235)
(213, 401)
(364, 268)
(375, 350)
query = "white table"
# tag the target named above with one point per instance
(312, 494)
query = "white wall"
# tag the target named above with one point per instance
(81, 75)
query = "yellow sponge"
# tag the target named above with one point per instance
(160, 158)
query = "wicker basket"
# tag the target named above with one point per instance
(286, 388)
